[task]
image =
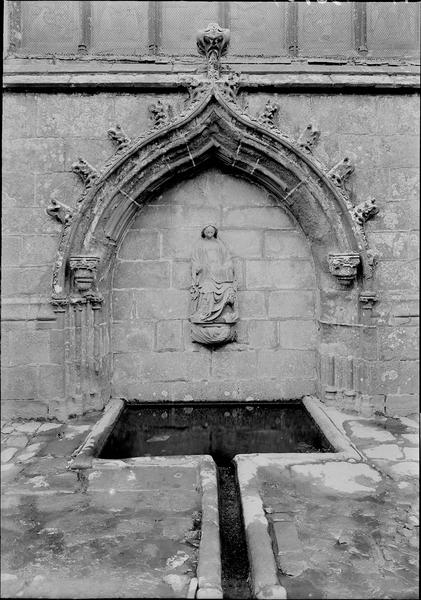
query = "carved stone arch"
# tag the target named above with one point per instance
(212, 129)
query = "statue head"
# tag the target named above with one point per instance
(209, 232)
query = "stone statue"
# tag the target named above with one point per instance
(214, 290)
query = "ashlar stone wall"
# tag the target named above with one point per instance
(274, 356)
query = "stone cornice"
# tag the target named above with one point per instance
(166, 74)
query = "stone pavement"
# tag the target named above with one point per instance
(341, 529)
(123, 532)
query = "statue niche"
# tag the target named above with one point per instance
(214, 310)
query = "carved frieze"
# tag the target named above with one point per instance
(344, 266)
(365, 210)
(214, 309)
(267, 116)
(341, 171)
(117, 135)
(309, 138)
(213, 42)
(86, 172)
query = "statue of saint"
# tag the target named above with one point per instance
(214, 286)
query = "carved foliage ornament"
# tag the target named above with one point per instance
(309, 137)
(364, 211)
(117, 135)
(341, 171)
(267, 117)
(86, 172)
(344, 266)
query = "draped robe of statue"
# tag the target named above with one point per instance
(214, 291)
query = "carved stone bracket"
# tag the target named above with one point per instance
(267, 116)
(341, 172)
(213, 42)
(83, 268)
(344, 266)
(309, 138)
(117, 135)
(59, 211)
(86, 172)
(368, 299)
(364, 211)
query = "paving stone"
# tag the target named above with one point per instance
(343, 477)
(19, 441)
(49, 427)
(411, 453)
(7, 454)
(364, 431)
(405, 469)
(390, 451)
(29, 427)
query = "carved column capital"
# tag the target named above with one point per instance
(343, 265)
(84, 268)
(368, 299)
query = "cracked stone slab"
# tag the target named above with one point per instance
(341, 476)
(405, 469)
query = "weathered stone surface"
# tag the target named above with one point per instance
(142, 274)
(169, 335)
(284, 364)
(285, 244)
(402, 404)
(287, 304)
(140, 245)
(243, 243)
(263, 334)
(278, 274)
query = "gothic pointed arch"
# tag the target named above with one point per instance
(213, 129)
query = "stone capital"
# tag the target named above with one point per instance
(343, 265)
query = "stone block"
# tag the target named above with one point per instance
(131, 110)
(96, 152)
(123, 305)
(171, 304)
(141, 274)
(359, 121)
(286, 536)
(414, 245)
(24, 408)
(11, 251)
(285, 244)
(160, 367)
(389, 245)
(20, 116)
(279, 274)
(181, 275)
(252, 305)
(39, 249)
(243, 243)
(160, 215)
(56, 186)
(17, 188)
(395, 377)
(138, 245)
(404, 184)
(28, 221)
(297, 334)
(287, 304)
(268, 217)
(178, 243)
(75, 115)
(402, 405)
(263, 334)
(133, 335)
(286, 364)
(33, 280)
(199, 217)
(169, 335)
(50, 381)
(36, 155)
(26, 347)
(227, 364)
(19, 383)
(397, 275)
(398, 343)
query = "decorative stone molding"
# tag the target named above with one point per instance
(84, 268)
(86, 172)
(59, 304)
(368, 299)
(309, 137)
(117, 135)
(267, 116)
(344, 266)
(213, 42)
(59, 211)
(364, 211)
(341, 172)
